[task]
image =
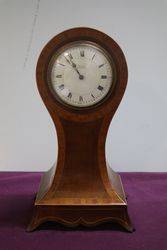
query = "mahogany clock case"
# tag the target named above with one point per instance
(81, 188)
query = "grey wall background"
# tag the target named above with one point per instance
(137, 139)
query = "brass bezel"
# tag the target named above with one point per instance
(60, 51)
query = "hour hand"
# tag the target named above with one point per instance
(81, 77)
(70, 62)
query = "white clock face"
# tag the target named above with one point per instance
(81, 74)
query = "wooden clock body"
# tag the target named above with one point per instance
(81, 188)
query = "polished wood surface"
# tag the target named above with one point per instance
(81, 188)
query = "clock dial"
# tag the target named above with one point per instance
(81, 74)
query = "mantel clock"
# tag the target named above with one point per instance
(81, 76)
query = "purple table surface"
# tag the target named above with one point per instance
(147, 202)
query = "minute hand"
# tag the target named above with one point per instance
(74, 66)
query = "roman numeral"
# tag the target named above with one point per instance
(81, 98)
(61, 87)
(59, 76)
(82, 53)
(101, 65)
(93, 56)
(100, 87)
(61, 64)
(103, 76)
(69, 95)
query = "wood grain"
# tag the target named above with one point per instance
(80, 188)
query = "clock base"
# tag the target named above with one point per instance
(87, 212)
(73, 216)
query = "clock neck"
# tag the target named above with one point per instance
(82, 154)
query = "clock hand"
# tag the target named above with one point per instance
(81, 77)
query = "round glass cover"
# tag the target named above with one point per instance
(81, 74)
